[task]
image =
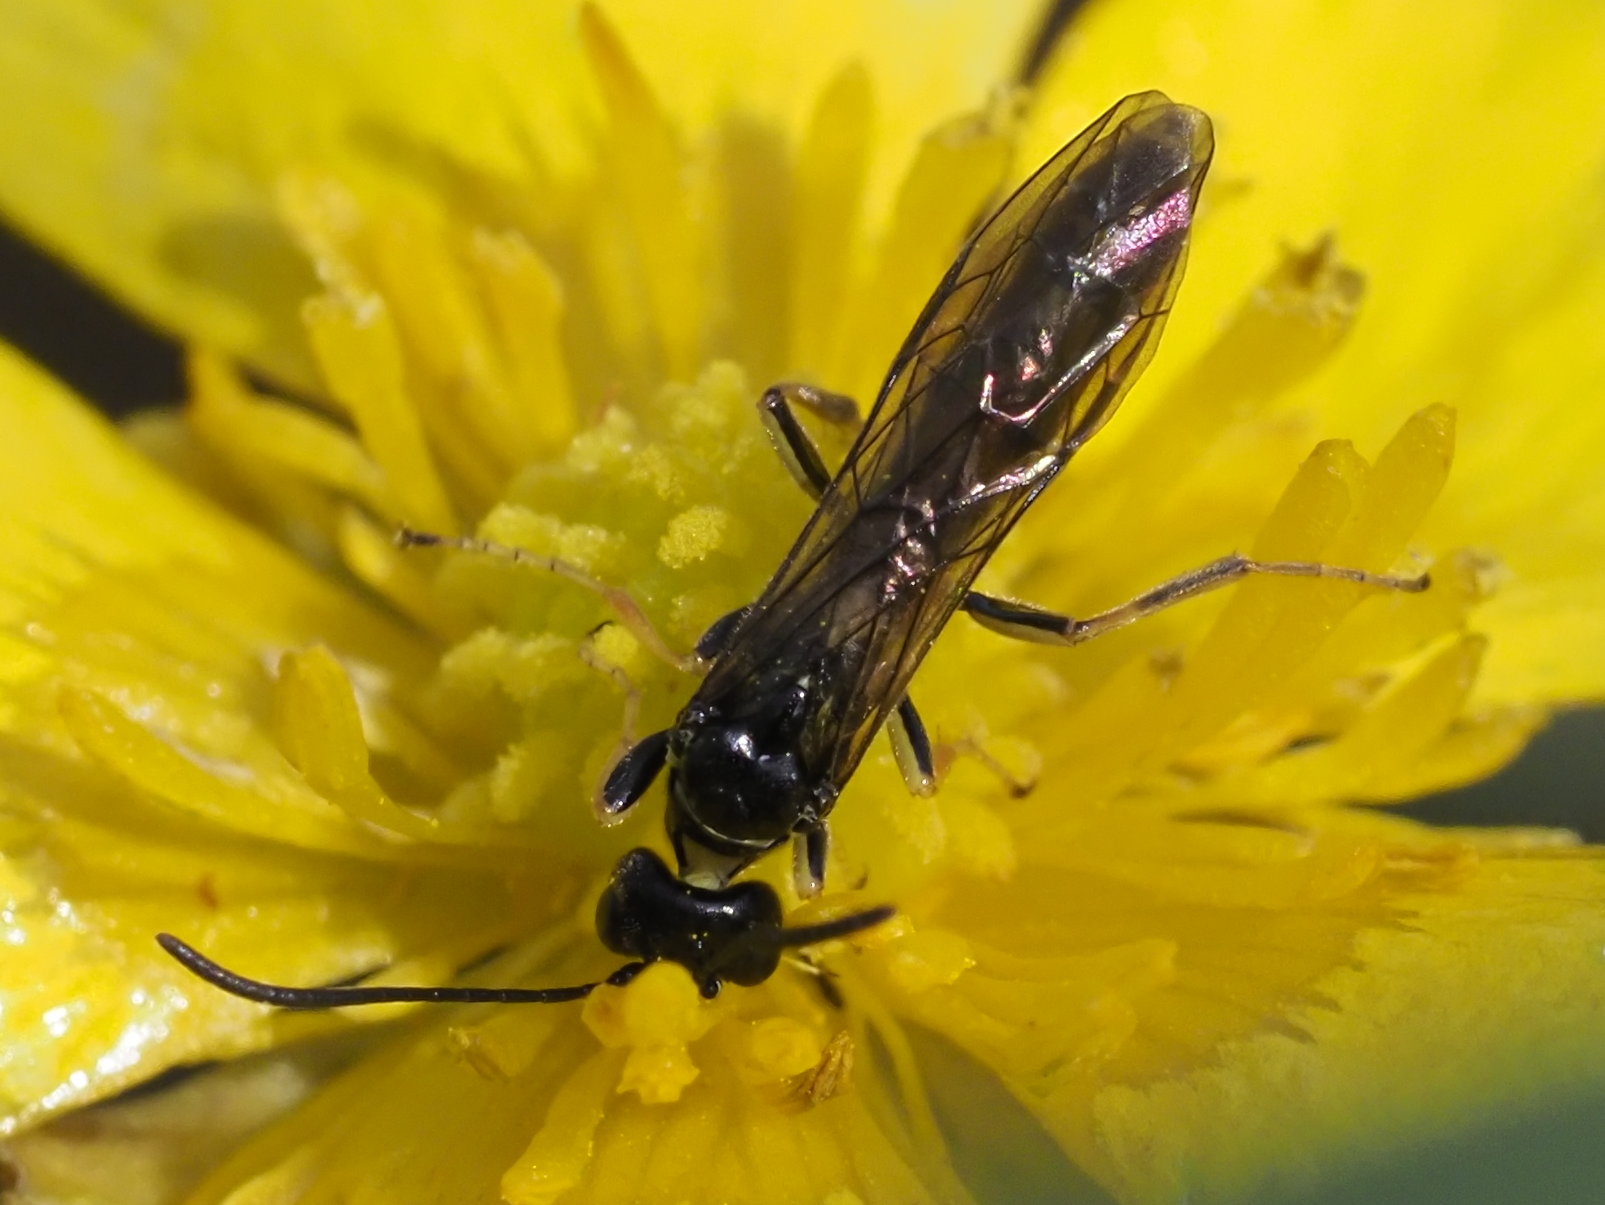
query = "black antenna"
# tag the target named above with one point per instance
(343, 997)
(807, 935)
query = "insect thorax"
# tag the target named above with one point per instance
(739, 779)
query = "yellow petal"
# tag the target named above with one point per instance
(127, 1152)
(165, 192)
(145, 785)
(1449, 163)
(1489, 991)
(211, 737)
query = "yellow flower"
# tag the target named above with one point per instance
(521, 268)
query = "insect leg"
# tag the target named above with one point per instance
(911, 749)
(1026, 622)
(631, 775)
(809, 848)
(793, 443)
(610, 810)
(971, 747)
(619, 601)
(717, 638)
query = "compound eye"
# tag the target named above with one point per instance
(639, 905)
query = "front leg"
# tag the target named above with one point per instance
(631, 775)
(622, 604)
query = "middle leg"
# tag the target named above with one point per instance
(795, 445)
(911, 749)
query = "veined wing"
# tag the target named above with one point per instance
(1023, 351)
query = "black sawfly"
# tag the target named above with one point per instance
(1039, 328)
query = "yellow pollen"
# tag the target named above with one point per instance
(656, 1017)
(696, 533)
(929, 959)
(657, 1074)
(778, 1048)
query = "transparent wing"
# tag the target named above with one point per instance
(1023, 351)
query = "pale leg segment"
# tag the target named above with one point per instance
(1022, 621)
(619, 601)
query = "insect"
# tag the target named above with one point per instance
(1026, 347)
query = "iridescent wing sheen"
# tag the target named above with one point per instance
(1023, 351)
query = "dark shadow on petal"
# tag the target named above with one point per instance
(1558, 781)
(1045, 39)
(1548, 1151)
(1011, 1159)
(65, 324)
(251, 262)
